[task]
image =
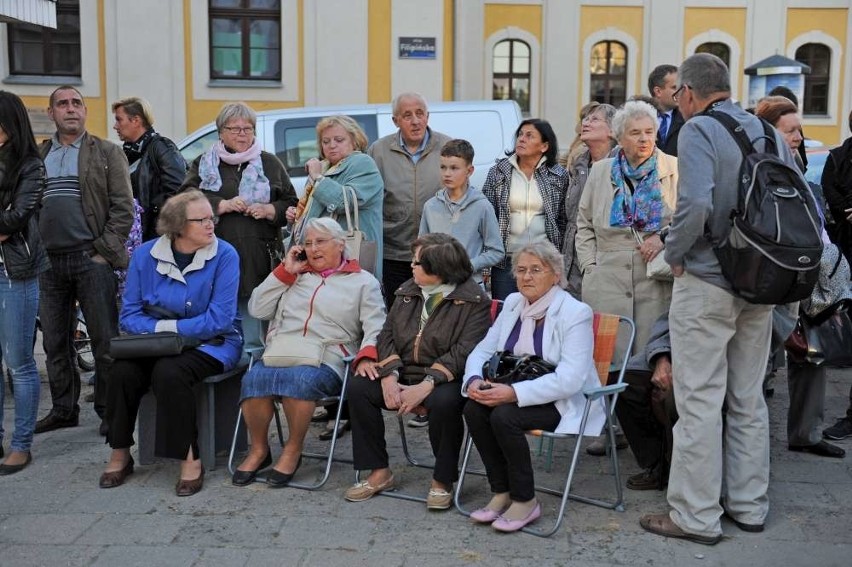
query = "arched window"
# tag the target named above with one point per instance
(511, 72)
(818, 57)
(717, 48)
(608, 70)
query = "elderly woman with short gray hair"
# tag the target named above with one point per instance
(627, 202)
(322, 307)
(249, 190)
(542, 320)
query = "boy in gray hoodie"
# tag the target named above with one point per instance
(463, 211)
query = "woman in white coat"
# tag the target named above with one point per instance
(544, 320)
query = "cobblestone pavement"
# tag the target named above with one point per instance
(55, 514)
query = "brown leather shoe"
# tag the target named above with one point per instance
(116, 478)
(190, 487)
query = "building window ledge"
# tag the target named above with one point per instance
(243, 84)
(42, 80)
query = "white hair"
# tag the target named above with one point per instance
(632, 110)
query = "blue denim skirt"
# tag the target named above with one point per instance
(299, 382)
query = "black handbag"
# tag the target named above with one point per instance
(508, 368)
(150, 345)
(825, 340)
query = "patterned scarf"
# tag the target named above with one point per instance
(433, 295)
(135, 150)
(305, 202)
(254, 185)
(638, 199)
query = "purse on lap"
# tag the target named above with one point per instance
(508, 368)
(285, 351)
(150, 345)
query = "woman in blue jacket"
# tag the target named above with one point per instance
(186, 281)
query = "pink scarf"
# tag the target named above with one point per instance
(530, 313)
(254, 185)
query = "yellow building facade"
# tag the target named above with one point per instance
(552, 56)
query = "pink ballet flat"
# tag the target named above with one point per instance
(501, 524)
(486, 515)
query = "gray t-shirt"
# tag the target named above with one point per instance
(62, 223)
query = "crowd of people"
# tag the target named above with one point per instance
(625, 222)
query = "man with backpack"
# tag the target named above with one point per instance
(720, 341)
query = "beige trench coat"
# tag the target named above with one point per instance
(613, 270)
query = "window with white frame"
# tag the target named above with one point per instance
(818, 57)
(245, 39)
(37, 50)
(511, 72)
(608, 72)
(717, 48)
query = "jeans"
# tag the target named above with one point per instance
(19, 300)
(503, 283)
(76, 276)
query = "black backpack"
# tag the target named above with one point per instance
(772, 253)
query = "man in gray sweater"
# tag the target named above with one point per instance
(409, 161)
(720, 342)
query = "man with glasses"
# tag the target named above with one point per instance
(409, 161)
(86, 216)
(662, 83)
(720, 342)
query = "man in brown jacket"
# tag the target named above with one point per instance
(86, 216)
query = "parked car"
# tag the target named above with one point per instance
(291, 133)
(816, 162)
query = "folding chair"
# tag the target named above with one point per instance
(328, 457)
(606, 331)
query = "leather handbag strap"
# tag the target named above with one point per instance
(350, 227)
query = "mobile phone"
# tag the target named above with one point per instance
(302, 256)
(485, 386)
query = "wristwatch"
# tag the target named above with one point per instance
(430, 379)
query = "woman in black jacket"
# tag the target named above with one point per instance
(22, 258)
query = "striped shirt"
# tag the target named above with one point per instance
(62, 223)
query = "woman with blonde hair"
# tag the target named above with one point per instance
(342, 171)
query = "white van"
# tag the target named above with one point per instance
(291, 133)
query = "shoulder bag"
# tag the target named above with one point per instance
(357, 245)
(657, 269)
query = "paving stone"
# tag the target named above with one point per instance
(146, 556)
(45, 528)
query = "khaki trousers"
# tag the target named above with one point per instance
(720, 344)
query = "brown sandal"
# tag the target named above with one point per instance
(116, 478)
(662, 524)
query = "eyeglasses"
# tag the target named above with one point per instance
(416, 263)
(679, 91)
(318, 243)
(535, 271)
(592, 119)
(206, 221)
(239, 130)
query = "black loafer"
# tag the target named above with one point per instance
(52, 422)
(244, 478)
(278, 479)
(116, 478)
(821, 449)
(12, 469)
